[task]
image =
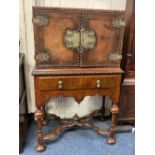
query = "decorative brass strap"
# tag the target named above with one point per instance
(81, 40)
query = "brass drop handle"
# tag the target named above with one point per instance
(60, 84)
(98, 83)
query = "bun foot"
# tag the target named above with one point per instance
(40, 148)
(111, 141)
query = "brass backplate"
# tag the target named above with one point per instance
(72, 39)
(88, 39)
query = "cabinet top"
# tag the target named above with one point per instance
(63, 9)
(77, 38)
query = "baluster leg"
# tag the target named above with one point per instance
(45, 121)
(102, 111)
(114, 110)
(39, 118)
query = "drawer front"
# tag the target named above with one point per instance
(58, 83)
(98, 82)
(72, 83)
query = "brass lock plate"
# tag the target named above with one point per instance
(81, 40)
(88, 39)
(72, 39)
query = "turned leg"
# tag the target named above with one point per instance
(102, 111)
(114, 110)
(39, 118)
(45, 121)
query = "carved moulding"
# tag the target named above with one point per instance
(35, 72)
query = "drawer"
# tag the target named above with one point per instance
(76, 82)
(98, 82)
(52, 83)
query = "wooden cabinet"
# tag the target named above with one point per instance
(78, 54)
(73, 38)
(127, 98)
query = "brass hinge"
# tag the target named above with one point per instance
(118, 23)
(115, 56)
(40, 20)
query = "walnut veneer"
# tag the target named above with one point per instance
(78, 54)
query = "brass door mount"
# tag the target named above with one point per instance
(80, 40)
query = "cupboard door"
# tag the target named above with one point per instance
(50, 25)
(109, 28)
